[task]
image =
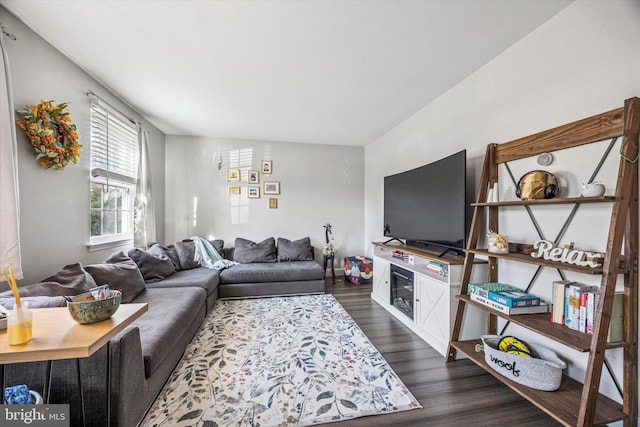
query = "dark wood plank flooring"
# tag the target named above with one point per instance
(452, 394)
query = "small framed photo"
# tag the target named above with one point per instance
(234, 190)
(267, 166)
(271, 187)
(233, 175)
(273, 203)
(253, 177)
(253, 192)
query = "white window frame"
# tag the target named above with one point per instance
(114, 165)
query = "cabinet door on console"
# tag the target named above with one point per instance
(381, 290)
(433, 310)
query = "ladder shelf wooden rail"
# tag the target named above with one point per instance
(574, 403)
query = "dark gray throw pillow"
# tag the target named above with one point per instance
(299, 250)
(173, 255)
(119, 272)
(71, 280)
(187, 250)
(154, 264)
(247, 251)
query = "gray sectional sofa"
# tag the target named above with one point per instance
(179, 293)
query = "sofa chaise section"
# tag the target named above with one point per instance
(200, 277)
(266, 269)
(144, 355)
(280, 278)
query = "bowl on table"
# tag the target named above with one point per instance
(85, 309)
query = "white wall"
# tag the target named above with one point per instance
(319, 184)
(54, 205)
(582, 62)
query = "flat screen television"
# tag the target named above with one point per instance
(427, 206)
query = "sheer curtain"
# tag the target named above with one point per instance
(9, 203)
(144, 225)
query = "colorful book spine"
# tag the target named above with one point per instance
(483, 289)
(514, 298)
(573, 311)
(511, 311)
(572, 318)
(591, 312)
(582, 322)
(558, 298)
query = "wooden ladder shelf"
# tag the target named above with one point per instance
(574, 403)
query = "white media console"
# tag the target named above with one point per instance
(435, 284)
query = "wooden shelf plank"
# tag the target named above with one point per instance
(560, 404)
(528, 259)
(558, 201)
(541, 324)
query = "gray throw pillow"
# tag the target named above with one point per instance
(247, 251)
(173, 255)
(299, 250)
(187, 250)
(71, 280)
(154, 264)
(119, 272)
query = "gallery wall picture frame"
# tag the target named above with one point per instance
(253, 177)
(271, 187)
(253, 192)
(266, 166)
(234, 190)
(273, 203)
(233, 175)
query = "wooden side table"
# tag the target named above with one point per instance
(57, 336)
(326, 259)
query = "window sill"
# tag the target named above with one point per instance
(99, 246)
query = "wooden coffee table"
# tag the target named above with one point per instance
(57, 336)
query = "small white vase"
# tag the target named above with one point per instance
(595, 189)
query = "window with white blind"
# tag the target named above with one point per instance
(114, 170)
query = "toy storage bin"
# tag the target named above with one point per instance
(542, 373)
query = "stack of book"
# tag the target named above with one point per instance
(506, 299)
(435, 267)
(400, 255)
(575, 305)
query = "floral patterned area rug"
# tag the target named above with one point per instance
(289, 361)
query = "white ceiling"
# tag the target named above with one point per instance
(329, 72)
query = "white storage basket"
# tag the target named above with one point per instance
(542, 373)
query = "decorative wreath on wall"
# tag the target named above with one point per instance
(52, 133)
